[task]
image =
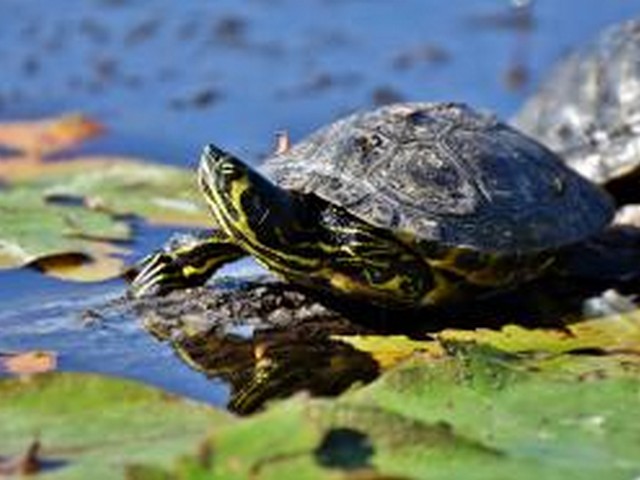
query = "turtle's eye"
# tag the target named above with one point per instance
(230, 170)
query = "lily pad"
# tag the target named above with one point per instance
(510, 402)
(476, 412)
(470, 415)
(124, 186)
(616, 336)
(611, 334)
(65, 216)
(95, 427)
(389, 350)
(34, 230)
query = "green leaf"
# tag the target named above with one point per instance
(615, 340)
(65, 216)
(96, 427)
(615, 333)
(162, 194)
(35, 230)
(474, 414)
(545, 426)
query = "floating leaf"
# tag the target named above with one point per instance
(470, 415)
(474, 413)
(106, 261)
(389, 350)
(617, 336)
(63, 216)
(34, 230)
(121, 186)
(37, 138)
(27, 363)
(96, 427)
(615, 333)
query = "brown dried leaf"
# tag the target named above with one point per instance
(26, 464)
(106, 261)
(38, 138)
(28, 363)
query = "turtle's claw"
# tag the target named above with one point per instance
(156, 275)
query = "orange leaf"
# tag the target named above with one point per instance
(39, 138)
(27, 363)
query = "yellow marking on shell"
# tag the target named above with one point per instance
(489, 275)
(393, 285)
(444, 290)
(391, 290)
(494, 271)
(344, 283)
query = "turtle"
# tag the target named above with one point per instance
(409, 205)
(588, 110)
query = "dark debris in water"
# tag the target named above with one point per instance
(231, 30)
(385, 95)
(515, 17)
(428, 54)
(202, 98)
(321, 82)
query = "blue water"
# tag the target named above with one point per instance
(168, 76)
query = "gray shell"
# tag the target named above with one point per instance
(447, 173)
(589, 108)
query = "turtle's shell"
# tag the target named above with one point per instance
(588, 109)
(446, 173)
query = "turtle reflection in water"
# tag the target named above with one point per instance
(406, 206)
(260, 337)
(275, 364)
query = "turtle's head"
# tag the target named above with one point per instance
(250, 208)
(222, 178)
(236, 193)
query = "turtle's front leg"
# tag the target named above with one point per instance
(186, 261)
